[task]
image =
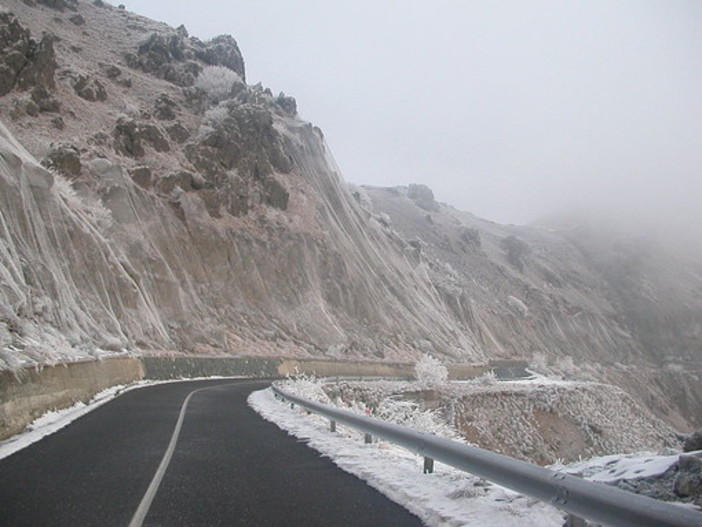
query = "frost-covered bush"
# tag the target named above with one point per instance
(217, 81)
(383, 219)
(517, 306)
(215, 116)
(93, 209)
(487, 378)
(539, 363)
(430, 372)
(306, 386)
(408, 413)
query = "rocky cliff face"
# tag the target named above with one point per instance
(162, 204)
(181, 209)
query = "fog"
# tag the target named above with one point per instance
(513, 110)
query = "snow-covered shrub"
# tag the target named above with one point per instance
(517, 306)
(539, 363)
(487, 378)
(93, 209)
(215, 116)
(430, 372)
(217, 81)
(383, 219)
(306, 386)
(408, 413)
(567, 367)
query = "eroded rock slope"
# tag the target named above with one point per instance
(163, 204)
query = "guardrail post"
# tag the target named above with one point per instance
(574, 521)
(428, 465)
(332, 426)
(571, 519)
(368, 439)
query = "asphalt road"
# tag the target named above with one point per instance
(229, 467)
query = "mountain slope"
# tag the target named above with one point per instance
(178, 209)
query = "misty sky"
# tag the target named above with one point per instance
(509, 109)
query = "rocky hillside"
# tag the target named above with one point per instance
(152, 201)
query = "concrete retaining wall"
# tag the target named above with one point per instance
(26, 394)
(29, 393)
(163, 368)
(179, 367)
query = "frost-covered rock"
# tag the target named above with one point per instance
(693, 442)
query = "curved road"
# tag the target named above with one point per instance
(229, 467)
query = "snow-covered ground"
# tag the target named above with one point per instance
(448, 497)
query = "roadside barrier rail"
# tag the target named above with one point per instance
(585, 499)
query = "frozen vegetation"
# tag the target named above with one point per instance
(450, 497)
(540, 419)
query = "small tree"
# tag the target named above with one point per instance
(430, 372)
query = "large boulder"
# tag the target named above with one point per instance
(423, 197)
(693, 442)
(688, 483)
(89, 88)
(64, 158)
(516, 250)
(130, 137)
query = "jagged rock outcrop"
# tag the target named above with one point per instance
(174, 57)
(24, 61)
(89, 88)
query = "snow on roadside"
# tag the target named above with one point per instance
(53, 421)
(446, 498)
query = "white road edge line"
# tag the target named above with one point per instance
(143, 509)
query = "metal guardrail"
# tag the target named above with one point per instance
(585, 499)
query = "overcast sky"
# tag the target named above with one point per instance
(509, 109)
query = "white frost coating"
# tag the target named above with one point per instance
(430, 372)
(447, 498)
(608, 469)
(217, 81)
(63, 292)
(517, 306)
